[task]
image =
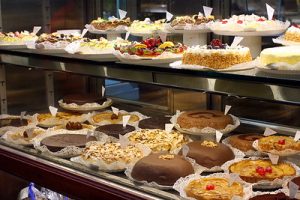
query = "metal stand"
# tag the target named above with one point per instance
(49, 88)
(3, 96)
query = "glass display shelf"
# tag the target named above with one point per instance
(249, 83)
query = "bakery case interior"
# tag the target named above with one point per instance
(156, 99)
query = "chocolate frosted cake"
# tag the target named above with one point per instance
(164, 169)
(57, 142)
(16, 122)
(81, 99)
(115, 129)
(278, 196)
(154, 123)
(209, 154)
(244, 142)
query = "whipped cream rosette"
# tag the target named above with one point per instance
(261, 172)
(277, 145)
(17, 38)
(62, 143)
(218, 185)
(160, 170)
(110, 156)
(24, 135)
(108, 117)
(249, 23)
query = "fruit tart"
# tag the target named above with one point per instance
(47, 120)
(152, 48)
(279, 145)
(254, 170)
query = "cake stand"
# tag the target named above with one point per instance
(110, 34)
(252, 39)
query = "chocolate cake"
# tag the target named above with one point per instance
(209, 154)
(16, 122)
(115, 129)
(154, 123)
(57, 142)
(278, 196)
(244, 142)
(81, 99)
(164, 169)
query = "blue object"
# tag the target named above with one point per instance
(31, 194)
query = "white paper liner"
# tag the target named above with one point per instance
(140, 116)
(254, 194)
(183, 182)
(285, 188)
(247, 153)
(21, 141)
(67, 152)
(53, 121)
(85, 107)
(282, 41)
(172, 150)
(101, 165)
(164, 55)
(197, 170)
(286, 152)
(237, 67)
(118, 29)
(207, 130)
(263, 184)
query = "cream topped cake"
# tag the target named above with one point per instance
(293, 33)
(216, 55)
(56, 40)
(195, 20)
(247, 23)
(289, 55)
(146, 26)
(17, 37)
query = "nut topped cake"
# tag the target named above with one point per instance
(293, 33)
(182, 21)
(158, 140)
(216, 55)
(109, 24)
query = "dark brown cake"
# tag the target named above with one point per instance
(279, 196)
(154, 123)
(209, 154)
(57, 142)
(81, 99)
(164, 169)
(16, 122)
(244, 142)
(115, 129)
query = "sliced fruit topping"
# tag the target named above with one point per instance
(140, 46)
(165, 45)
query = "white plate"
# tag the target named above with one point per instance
(105, 104)
(250, 33)
(238, 67)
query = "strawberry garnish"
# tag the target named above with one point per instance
(216, 43)
(224, 21)
(261, 19)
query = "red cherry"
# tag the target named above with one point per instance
(210, 187)
(261, 171)
(239, 21)
(224, 21)
(268, 169)
(282, 141)
(261, 20)
(216, 43)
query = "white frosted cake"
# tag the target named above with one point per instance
(247, 23)
(293, 34)
(216, 55)
(289, 55)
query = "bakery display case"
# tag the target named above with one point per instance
(149, 116)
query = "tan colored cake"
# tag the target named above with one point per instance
(213, 188)
(204, 118)
(286, 54)
(253, 171)
(278, 143)
(244, 142)
(216, 55)
(293, 34)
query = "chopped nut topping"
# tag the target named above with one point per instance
(166, 157)
(208, 144)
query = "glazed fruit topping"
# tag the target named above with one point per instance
(261, 20)
(269, 169)
(262, 171)
(113, 116)
(282, 141)
(73, 126)
(210, 187)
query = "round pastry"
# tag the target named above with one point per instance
(204, 118)
(253, 171)
(115, 129)
(244, 142)
(209, 154)
(113, 118)
(22, 136)
(154, 122)
(164, 169)
(278, 196)
(216, 55)
(213, 188)
(57, 142)
(278, 143)
(46, 119)
(16, 122)
(81, 99)
(158, 140)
